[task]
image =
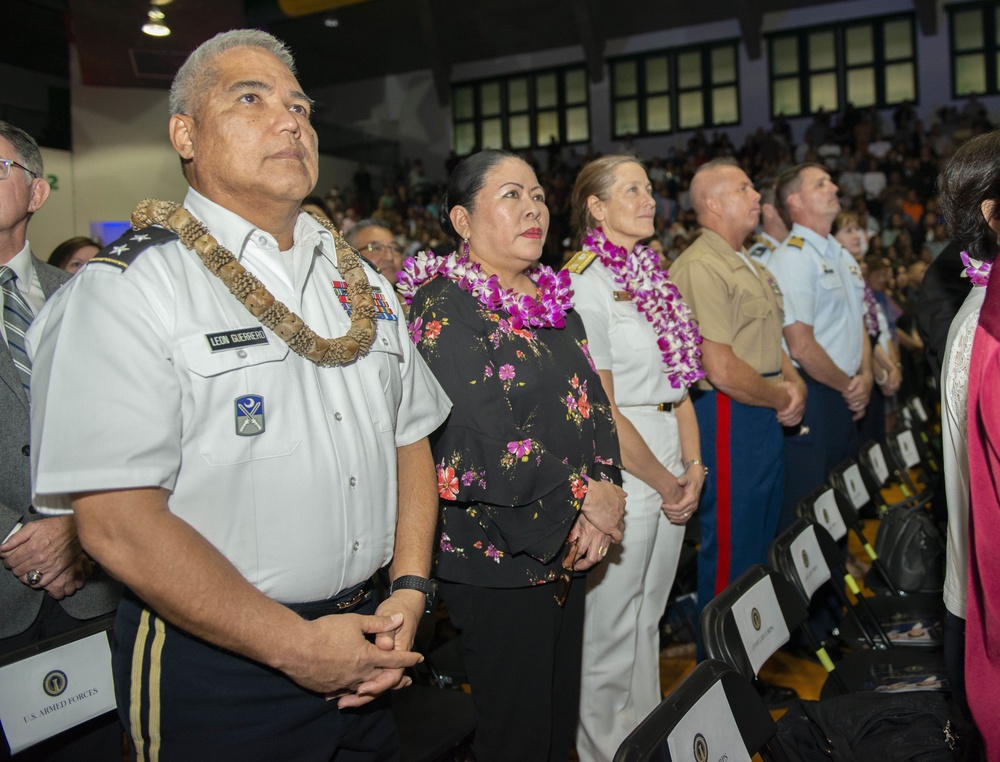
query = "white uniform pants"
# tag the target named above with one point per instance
(626, 598)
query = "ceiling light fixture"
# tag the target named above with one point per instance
(156, 27)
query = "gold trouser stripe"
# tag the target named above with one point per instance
(135, 694)
(155, 672)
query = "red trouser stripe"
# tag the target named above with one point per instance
(723, 541)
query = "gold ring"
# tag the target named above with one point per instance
(603, 551)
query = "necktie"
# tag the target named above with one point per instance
(17, 316)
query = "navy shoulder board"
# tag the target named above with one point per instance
(580, 261)
(122, 253)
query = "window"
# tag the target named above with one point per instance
(521, 111)
(865, 63)
(681, 89)
(975, 52)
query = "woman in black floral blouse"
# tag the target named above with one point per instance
(528, 461)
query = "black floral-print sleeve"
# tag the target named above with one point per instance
(523, 435)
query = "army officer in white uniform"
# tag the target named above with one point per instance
(244, 494)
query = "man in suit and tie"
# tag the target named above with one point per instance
(48, 583)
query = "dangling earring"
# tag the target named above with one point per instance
(465, 247)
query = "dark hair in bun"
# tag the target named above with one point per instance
(466, 182)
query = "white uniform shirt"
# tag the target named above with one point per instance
(621, 340)
(134, 388)
(763, 247)
(955, 446)
(823, 288)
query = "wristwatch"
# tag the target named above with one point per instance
(412, 582)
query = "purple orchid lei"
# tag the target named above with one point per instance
(976, 271)
(871, 312)
(638, 273)
(549, 311)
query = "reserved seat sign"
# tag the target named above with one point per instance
(50, 692)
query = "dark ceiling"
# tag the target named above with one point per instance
(371, 37)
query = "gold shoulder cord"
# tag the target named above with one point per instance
(249, 290)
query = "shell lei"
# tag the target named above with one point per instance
(253, 295)
(548, 311)
(638, 273)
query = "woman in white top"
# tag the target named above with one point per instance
(645, 345)
(970, 200)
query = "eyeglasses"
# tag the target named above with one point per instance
(378, 248)
(6, 164)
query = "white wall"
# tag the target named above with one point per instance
(121, 155)
(54, 222)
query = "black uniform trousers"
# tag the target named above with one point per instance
(184, 699)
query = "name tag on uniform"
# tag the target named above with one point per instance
(827, 270)
(241, 337)
(56, 690)
(382, 309)
(622, 296)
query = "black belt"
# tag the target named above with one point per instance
(344, 603)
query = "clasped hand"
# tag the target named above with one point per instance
(604, 507)
(339, 661)
(857, 393)
(52, 547)
(791, 414)
(682, 502)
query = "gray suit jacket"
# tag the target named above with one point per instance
(19, 604)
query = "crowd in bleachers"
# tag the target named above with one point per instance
(886, 166)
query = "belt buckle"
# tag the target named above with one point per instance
(665, 407)
(358, 597)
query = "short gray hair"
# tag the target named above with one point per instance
(25, 149)
(197, 75)
(352, 235)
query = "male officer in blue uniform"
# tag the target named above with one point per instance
(773, 230)
(824, 332)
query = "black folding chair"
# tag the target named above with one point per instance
(906, 450)
(882, 471)
(892, 608)
(852, 497)
(715, 713)
(809, 558)
(928, 430)
(752, 618)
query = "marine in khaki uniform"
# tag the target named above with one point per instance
(751, 389)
